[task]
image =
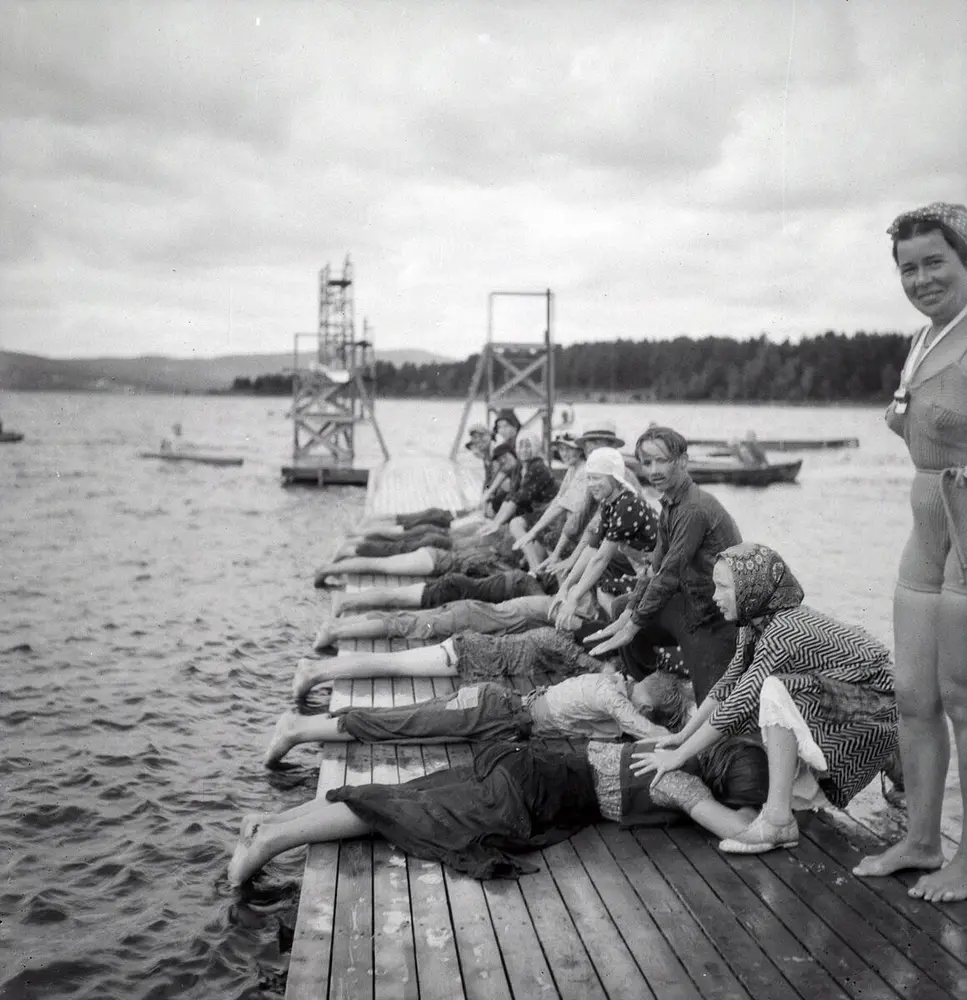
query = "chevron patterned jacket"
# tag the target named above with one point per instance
(841, 680)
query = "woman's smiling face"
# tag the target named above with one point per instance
(933, 276)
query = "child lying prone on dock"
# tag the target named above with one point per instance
(601, 705)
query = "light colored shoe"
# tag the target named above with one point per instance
(761, 836)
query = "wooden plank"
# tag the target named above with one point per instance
(890, 964)
(709, 971)
(433, 932)
(587, 955)
(663, 971)
(751, 965)
(394, 961)
(481, 963)
(308, 973)
(810, 957)
(927, 954)
(352, 947)
(844, 842)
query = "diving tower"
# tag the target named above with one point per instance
(518, 374)
(333, 379)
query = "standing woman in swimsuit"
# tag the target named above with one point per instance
(929, 412)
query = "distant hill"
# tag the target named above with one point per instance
(160, 374)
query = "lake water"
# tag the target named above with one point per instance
(151, 615)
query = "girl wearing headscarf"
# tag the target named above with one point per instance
(929, 411)
(821, 693)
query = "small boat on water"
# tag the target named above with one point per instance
(783, 444)
(192, 456)
(10, 437)
(732, 471)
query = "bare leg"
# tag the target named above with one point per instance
(782, 752)
(260, 841)
(924, 743)
(379, 597)
(692, 796)
(775, 826)
(421, 661)
(293, 729)
(950, 883)
(418, 563)
(372, 626)
(721, 820)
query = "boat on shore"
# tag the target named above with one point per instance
(193, 456)
(10, 437)
(782, 444)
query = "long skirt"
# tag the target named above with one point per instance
(512, 800)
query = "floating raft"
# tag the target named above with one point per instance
(188, 456)
(647, 913)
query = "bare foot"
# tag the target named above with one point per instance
(949, 885)
(898, 858)
(325, 578)
(307, 676)
(284, 737)
(324, 639)
(247, 858)
(340, 604)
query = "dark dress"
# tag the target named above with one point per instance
(513, 799)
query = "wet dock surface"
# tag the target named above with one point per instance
(612, 913)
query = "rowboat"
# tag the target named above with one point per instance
(10, 437)
(193, 456)
(782, 444)
(731, 471)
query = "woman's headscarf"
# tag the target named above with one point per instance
(951, 215)
(533, 441)
(764, 584)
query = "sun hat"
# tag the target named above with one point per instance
(478, 429)
(601, 430)
(565, 438)
(606, 462)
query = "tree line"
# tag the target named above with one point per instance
(832, 367)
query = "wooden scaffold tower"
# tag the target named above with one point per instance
(516, 374)
(331, 390)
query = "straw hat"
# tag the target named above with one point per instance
(601, 430)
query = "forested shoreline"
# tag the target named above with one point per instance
(830, 368)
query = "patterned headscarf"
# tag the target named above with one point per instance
(764, 584)
(951, 215)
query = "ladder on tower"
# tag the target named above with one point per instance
(332, 391)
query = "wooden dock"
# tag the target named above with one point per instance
(612, 914)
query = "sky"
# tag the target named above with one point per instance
(174, 176)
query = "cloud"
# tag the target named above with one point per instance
(173, 175)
